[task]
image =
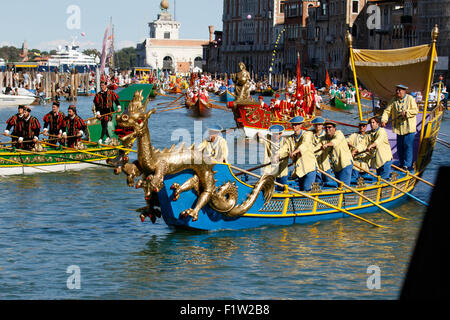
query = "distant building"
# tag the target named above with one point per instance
(430, 13)
(250, 31)
(165, 51)
(212, 52)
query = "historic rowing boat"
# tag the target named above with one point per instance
(52, 159)
(227, 96)
(251, 119)
(190, 191)
(337, 102)
(199, 108)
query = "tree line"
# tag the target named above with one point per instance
(124, 58)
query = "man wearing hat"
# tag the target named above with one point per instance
(104, 107)
(15, 121)
(300, 149)
(335, 144)
(286, 105)
(30, 130)
(55, 120)
(74, 127)
(358, 143)
(403, 111)
(272, 145)
(215, 146)
(262, 104)
(322, 158)
(379, 141)
(309, 92)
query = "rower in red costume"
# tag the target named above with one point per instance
(264, 106)
(286, 105)
(308, 91)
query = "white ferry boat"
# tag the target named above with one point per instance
(70, 57)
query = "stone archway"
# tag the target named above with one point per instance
(168, 64)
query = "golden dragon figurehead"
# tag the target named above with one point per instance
(134, 121)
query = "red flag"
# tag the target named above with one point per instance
(299, 75)
(328, 81)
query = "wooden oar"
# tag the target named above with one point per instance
(60, 157)
(77, 150)
(312, 198)
(324, 106)
(101, 116)
(360, 194)
(107, 145)
(176, 99)
(392, 185)
(260, 166)
(413, 175)
(165, 110)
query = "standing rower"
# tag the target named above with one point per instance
(403, 110)
(104, 107)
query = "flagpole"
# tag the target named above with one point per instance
(434, 36)
(349, 40)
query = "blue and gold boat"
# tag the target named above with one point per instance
(292, 207)
(188, 191)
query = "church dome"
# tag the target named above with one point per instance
(164, 4)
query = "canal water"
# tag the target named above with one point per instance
(76, 235)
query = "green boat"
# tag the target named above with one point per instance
(52, 158)
(338, 103)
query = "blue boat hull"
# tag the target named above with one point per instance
(227, 96)
(297, 210)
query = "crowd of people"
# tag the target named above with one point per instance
(24, 129)
(324, 150)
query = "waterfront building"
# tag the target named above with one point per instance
(250, 30)
(164, 50)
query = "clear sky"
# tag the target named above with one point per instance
(44, 24)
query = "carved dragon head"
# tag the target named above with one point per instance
(133, 123)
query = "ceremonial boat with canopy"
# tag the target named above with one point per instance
(189, 192)
(53, 158)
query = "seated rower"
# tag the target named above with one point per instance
(322, 158)
(272, 146)
(358, 143)
(379, 141)
(215, 146)
(335, 144)
(74, 128)
(30, 130)
(300, 149)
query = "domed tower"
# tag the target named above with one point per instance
(164, 5)
(164, 27)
